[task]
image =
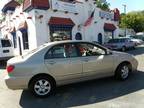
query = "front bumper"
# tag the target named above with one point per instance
(15, 83)
(134, 65)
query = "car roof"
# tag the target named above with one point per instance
(120, 38)
(66, 41)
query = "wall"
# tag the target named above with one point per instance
(38, 28)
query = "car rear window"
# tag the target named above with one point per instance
(6, 43)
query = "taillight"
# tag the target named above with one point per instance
(10, 68)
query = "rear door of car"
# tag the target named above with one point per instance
(96, 63)
(6, 48)
(63, 63)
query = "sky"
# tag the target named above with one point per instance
(132, 5)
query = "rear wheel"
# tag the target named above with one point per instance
(123, 49)
(42, 86)
(123, 71)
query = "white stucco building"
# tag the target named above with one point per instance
(127, 32)
(39, 21)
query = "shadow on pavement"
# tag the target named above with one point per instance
(85, 93)
(3, 64)
(138, 51)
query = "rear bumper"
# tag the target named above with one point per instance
(6, 58)
(16, 82)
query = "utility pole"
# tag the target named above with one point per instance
(125, 19)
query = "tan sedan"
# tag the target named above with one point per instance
(64, 62)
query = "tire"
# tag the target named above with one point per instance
(123, 71)
(42, 86)
(134, 47)
(123, 49)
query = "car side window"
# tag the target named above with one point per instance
(62, 51)
(86, 49)
(55, 52)
(70, 50)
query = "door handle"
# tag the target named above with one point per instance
(86, 60)
(51, 62)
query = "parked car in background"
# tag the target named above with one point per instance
(63, 62)
(120, 44)
(137, 41)
(6, 49)
(141, 37)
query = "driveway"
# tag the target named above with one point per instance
(102, 93)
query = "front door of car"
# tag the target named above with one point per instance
(96, 62)
(62, 62)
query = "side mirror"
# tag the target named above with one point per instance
(108, 52)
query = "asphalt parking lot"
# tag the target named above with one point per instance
(102, 93)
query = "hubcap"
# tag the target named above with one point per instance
(123, 48)
(42, 87)
(125, 72)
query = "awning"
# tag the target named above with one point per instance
(109, 27)
(61, 21)
(10, 6)
(22, 26)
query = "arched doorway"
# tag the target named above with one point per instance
(78, 36)
(100, 38)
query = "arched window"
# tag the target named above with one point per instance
(100, 40)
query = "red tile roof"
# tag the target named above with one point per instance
(60, 21)
(10, 6)
(109, 27)
(36, 4)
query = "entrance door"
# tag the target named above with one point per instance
(100, 38)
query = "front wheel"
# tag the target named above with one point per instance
(123, 71)
(41, 86)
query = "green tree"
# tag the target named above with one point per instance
(134, 20)
(103, 5)
(20, 1)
